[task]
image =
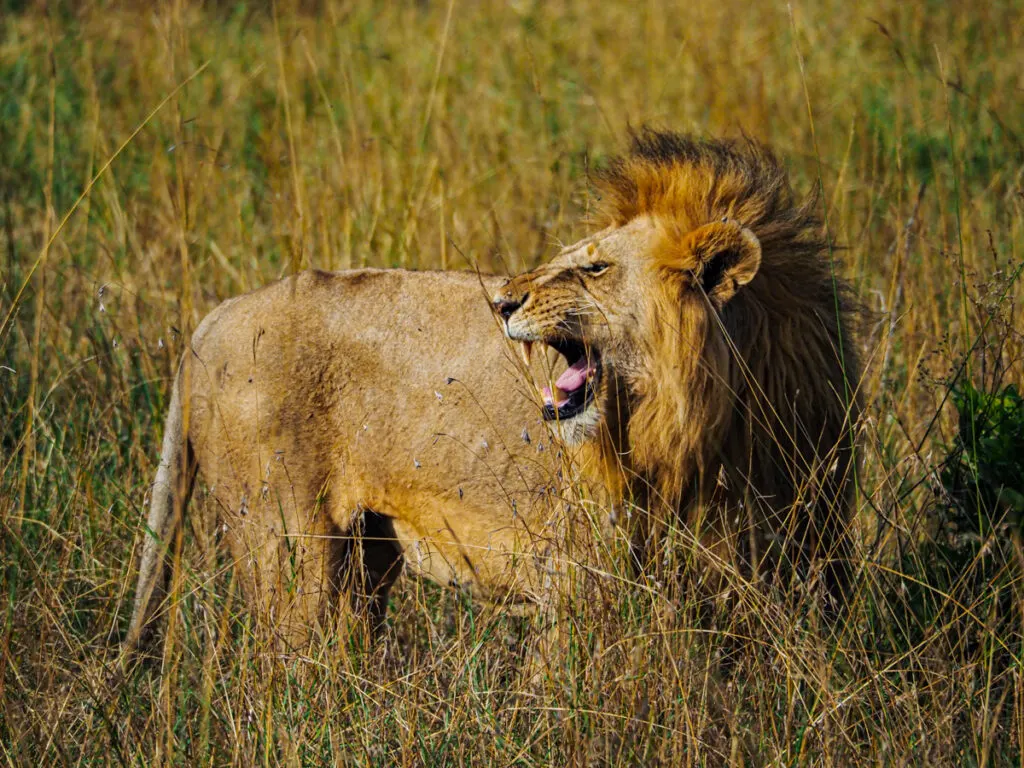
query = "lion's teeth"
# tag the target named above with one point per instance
(526, 351)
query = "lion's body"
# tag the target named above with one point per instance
(710, 379)
(325, 398)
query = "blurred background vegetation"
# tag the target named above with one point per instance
(156, 158)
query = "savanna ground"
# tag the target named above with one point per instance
(157, 159)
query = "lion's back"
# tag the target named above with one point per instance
(362, 371)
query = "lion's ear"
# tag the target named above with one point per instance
(727, 256)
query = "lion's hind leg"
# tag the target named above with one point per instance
(373, 564)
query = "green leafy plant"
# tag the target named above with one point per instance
(984, 473)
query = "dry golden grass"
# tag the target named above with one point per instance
(459, 134)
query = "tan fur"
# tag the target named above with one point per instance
(372, 418)
(710, 298)
(347, 424)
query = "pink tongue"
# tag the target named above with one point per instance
(572, 378)
(575, 376)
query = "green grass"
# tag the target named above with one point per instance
(380, 134)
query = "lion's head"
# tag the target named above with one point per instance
(704, 324)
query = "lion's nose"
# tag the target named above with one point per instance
(505, 307)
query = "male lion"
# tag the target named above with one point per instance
(347, 424)
(708, 354)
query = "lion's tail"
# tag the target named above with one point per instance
(170, 494)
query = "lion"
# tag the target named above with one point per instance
(709, 352)
(697, 364)
(349, 426)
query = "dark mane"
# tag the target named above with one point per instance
(760, 391)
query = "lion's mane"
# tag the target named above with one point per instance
(748, 406)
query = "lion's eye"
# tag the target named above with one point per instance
(596, 268)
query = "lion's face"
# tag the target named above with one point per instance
(582, 305)
(596, 302)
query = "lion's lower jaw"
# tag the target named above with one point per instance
(577, 430)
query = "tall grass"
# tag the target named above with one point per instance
(457, 134)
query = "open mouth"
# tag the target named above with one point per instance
(574, 389)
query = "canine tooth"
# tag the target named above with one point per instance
(526, 350)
